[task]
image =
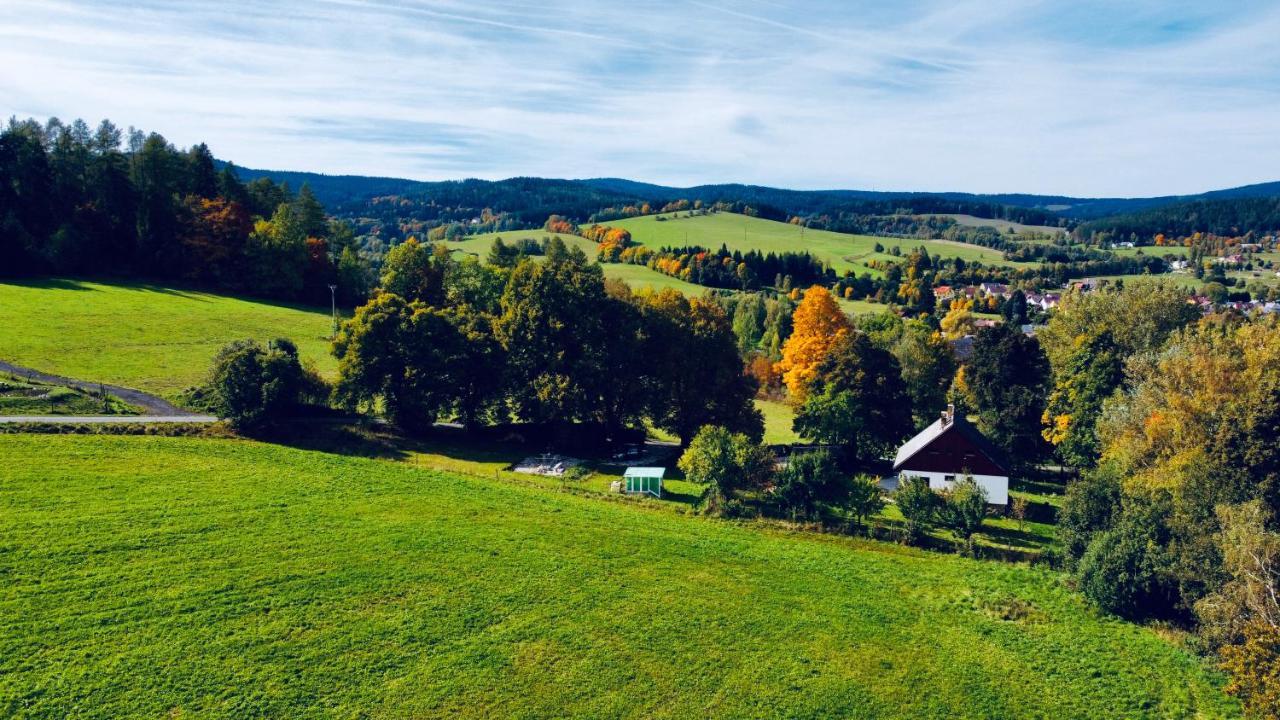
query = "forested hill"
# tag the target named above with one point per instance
(1222, 216)
(351, 195)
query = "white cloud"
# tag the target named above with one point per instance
(980, 96)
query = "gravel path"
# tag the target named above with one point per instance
(154, 409)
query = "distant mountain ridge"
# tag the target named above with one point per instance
(342, 192)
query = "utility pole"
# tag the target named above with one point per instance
(333, 304)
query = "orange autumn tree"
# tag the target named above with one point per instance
(817, 324)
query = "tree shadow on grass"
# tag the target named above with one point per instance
(51, 284)
(1020, 539)
(349, 439)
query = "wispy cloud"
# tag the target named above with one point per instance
(1085, 97)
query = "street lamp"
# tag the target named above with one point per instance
(333, 304)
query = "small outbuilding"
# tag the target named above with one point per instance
(644, 480)
(949, 449)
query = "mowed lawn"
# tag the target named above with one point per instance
(740, 232)
(169, 577)
(142, 336)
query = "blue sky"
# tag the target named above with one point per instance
(1080, 98)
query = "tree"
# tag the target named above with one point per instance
(1018, 507)
(865, 497)
(1197, 431)
(1254, 669)
(810, 480)
(352, 277)
(1006, 376)
(155, 174)
(1139, 319)
(959, 320)
(963, 507)
(406, 355)
(1251, 559)
(251, 385)
(748, 321)
(726, 463)
(918, 505)
(556, 339)
(927, 370)
(817, 323)
(201, 178)
(277, 255)
(856, 400)
(695, 375)
(1014, 310)
(1086, 378)
(311, 213)
(1088, 340)
(213, 236)
(416, 272)
(1123, 570)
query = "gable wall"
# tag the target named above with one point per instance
(952, 452)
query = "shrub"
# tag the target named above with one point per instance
(963, 507)
(1122, 569)
(725, 463)
(809, 480)
(1254, 669)
(577, 473)
(251, 386)
(865, 497)
(1088, 508)
(918, 504)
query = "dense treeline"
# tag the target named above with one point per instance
(546, 343)
(95, 201)
(926, 218)
(730, 270)
(1174, 418)
(1235, 217)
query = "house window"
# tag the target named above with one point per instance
(949, 478)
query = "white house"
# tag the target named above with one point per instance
(948, 450)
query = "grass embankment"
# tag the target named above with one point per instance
(739, 232)
(25, 397)
(151, 338)
(175, 577)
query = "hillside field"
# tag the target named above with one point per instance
(1001, 225)
(637, 276)
(149, 576)
(143, 336)
(739, 232)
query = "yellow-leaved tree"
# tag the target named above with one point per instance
(817, 324)
(959, 320)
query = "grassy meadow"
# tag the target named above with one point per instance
(149, 576)
(637, 276)
(143, 336)
(1001, 225)
(739, 232)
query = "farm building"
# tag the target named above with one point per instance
(948, 450)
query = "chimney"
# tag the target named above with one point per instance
(948, 415)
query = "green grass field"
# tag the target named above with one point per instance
(142, 336)
(1001, 225)
(778, 417)
(148, 576)
(1151, 251)
(739, 232)
(637, 276)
